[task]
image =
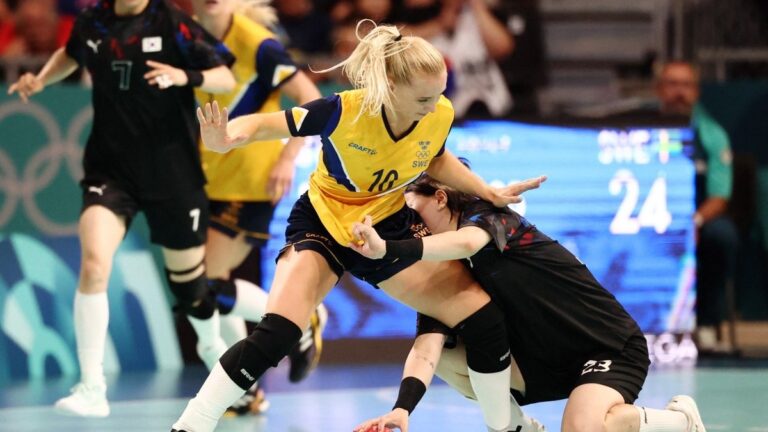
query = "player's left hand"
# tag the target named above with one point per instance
(280, 180)
(510, 194)
(164, 76)
(371, 245)
(395, 419)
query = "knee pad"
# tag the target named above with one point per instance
(246, 361)
(485, 336)
(225, 293)
(193, 297)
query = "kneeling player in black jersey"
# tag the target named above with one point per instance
(569, 337)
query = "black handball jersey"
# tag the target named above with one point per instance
(143, 138)
(557, 313)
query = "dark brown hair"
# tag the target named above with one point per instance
(427, 186)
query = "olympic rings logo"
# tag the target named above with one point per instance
(42, 167)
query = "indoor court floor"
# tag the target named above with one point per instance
(732, 396)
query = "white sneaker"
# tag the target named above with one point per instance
(210, 353)
(85, 401)
(686, 405)
(536, 426)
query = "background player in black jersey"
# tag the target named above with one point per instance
(145, 57)
(569, 337)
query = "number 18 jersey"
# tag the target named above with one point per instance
(362, 166)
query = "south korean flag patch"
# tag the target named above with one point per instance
(152, 44)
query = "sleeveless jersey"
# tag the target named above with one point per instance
(262, 66)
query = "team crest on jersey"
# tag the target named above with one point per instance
(281, 73)
(299, 114)
(424, 152)
(152, 44)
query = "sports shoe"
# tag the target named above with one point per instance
(252, 402)
(686, 405)
(85, 401)
(537, 427)
(306, 354)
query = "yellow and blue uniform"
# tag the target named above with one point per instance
(237, 180)
(362, 170)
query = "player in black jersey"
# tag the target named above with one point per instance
(569, 337)
(145, 58)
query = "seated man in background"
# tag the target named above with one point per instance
(677, 88)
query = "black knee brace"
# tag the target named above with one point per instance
(193, 297)
(225, 293)
(485, 336)
(246, 361)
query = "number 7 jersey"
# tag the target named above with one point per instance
(363, 167)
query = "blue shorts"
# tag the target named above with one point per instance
(305, 231)
(249, 217)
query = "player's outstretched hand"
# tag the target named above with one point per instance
(370, 245)
(165, 76)
(396, 419)
(510, 194)
(213, 129)
(27, 85)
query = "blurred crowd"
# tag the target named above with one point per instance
(494, 47)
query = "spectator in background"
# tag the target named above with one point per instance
(6, 25)
(677, 88)
(37, 29)
(346, 11)
(474, 40)
(308, 28)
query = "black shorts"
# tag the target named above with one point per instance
(305, 231)
(623, 371)
(249, 217)
(180, 222)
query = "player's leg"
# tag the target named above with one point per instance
(103, 222)
(446, 292)
(302, 280)
(452, 368)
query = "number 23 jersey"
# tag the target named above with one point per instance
(362, 166)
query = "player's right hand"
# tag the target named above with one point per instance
(27, 85)
(213, 129)
(370, 244)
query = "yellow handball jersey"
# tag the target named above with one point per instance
(363, 168)
(262, 65)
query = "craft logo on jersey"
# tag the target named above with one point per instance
(363, 149)
(422, 156)
(152, 44)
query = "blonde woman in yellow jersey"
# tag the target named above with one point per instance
(376, 139)
(244, 185)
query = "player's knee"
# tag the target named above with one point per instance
(193, 297)
(270, 341)
(93, 271)
(485, 337)
(225, 293)
(581, 423)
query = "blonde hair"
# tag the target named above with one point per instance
(383, 55)
(259, 11)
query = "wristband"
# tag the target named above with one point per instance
(411, 248)
(194, 78)
(411, 391)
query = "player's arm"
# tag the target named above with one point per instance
(417, 375)
(221, 135)
(218, 80)
(58, 67)
(449, 245)
(301, 90)
(448, 170)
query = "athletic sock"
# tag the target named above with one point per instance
(658, 420)
(91, 321)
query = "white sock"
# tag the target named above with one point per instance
(233, 329)
(91, 321)
(492, 392)
(215, 396)
(250, 301)
(657, 420)
(518, 418)
(208, 330)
